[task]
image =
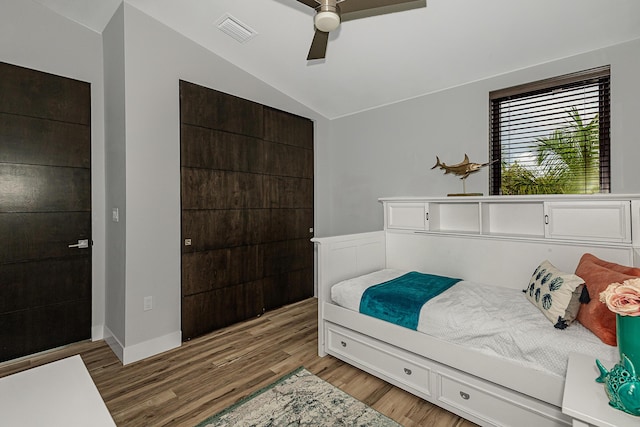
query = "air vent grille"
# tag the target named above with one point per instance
(236, 29)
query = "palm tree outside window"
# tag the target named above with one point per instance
(552, 136)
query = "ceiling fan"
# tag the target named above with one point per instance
(329, 14)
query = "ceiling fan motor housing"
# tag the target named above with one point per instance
(327, 19)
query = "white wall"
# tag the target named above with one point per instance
(389, 151)
(115, 180)
(156, 58)
(32, 36)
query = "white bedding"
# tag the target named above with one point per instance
(494, 320)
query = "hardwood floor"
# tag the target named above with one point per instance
(184, 386)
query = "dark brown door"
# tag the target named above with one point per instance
(45, 207)
(247, 208)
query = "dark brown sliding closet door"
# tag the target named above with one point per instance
(247, 208)
(45, 205)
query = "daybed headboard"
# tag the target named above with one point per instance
(507, 263)
(500, 240)
(495, 240)
(343, 257)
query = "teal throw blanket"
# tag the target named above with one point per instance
(399, 300)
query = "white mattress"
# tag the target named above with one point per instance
(494, 320)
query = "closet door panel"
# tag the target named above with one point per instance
(288, 270)
(299, 285)
(205, 271)
(211, 109)
(208, 311)
(215, 269)
(288, 160)
(287, 128)
(214, 229)
(291, 223)
(288, 192)
(286, 256)
(247, 208)
(215, 149)
(288, 288)
(201, 189)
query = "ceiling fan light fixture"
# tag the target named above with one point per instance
(326, 21)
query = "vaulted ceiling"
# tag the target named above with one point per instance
(384, 59)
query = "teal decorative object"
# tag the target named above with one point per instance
(628, 335)
(621, 385)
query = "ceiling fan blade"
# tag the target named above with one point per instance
(311, 3)
(356, 9)
(318, 45)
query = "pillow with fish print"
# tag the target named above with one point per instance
(555, 293)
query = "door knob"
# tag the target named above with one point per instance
(83, 243)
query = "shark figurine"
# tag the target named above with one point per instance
(621, 385)
(462, 169)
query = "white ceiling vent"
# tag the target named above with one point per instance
(236, 29)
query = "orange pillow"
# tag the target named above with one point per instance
(597, 275)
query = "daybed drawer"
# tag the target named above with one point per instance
(389, 361)
(490, 407)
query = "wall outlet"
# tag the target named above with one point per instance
(148, 303)
(115, 215)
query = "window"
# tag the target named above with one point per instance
(552, 136)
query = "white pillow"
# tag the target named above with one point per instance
(555, 293)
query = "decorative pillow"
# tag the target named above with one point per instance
(597, 275)
(555, 293)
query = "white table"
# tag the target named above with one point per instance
(586, 401)
(60, 393)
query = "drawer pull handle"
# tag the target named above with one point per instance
(407, 371)
(464, 395)
(342, 343)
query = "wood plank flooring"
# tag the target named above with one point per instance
(184, 386)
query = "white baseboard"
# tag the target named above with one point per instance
(133, 353)
(113, 343)
(97, 332)
(136, 352)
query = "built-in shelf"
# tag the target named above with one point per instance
(579, 217)
(517, 218)
(461, 217)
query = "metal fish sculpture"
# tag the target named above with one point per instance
(462, 169)
(621, 385)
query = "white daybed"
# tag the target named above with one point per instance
(489, 240)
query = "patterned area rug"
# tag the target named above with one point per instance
(302, 399)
